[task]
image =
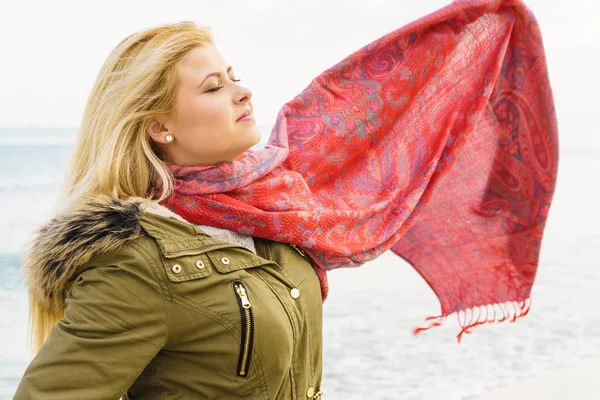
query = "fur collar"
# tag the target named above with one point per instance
(71, 239)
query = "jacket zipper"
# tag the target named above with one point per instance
(193, 252)
(303, 254)
(298, 249)
(247, 329)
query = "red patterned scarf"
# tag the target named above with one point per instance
(437, 141)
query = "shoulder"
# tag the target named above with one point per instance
(100, 230)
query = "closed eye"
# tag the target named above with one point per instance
(221, 87)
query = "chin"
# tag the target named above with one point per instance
(257, 137)
(252, 136)
(246, 144)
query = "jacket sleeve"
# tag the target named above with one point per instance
(114, 324)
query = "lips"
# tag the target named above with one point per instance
(244, 115)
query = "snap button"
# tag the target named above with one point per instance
(176, 268)
(199, 264)
(225, 260)
(310, 392)
(295, 293)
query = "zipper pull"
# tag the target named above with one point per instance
(298, 249)
(242, 293)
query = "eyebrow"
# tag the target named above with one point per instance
(214, 74)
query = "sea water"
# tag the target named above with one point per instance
(369, 350)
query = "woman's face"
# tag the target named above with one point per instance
(210, 104)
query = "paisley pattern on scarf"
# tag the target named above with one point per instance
(438, 141)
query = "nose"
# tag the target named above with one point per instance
(243, 95)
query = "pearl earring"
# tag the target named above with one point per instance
(169, 138)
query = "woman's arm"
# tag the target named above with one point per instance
(114, 324)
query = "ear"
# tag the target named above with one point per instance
(157, 131)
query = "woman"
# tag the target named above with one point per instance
(129, 299)
(437, 141)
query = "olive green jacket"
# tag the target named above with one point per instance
(157, 309)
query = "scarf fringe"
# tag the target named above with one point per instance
(472, 317)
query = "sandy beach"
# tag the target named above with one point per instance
(577, 381)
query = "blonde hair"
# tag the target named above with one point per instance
(113, 155)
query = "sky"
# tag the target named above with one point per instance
(51, 51)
